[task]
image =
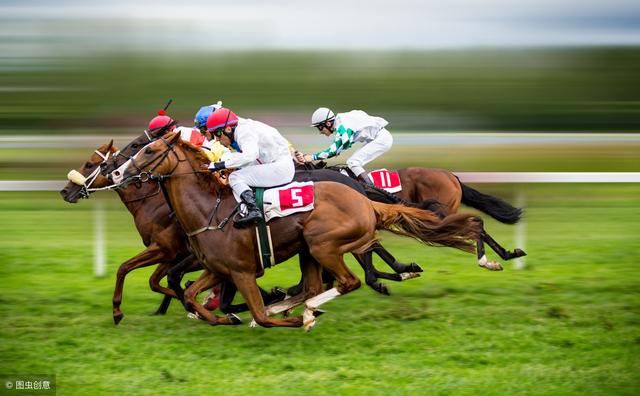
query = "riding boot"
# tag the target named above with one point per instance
(253, 213)
(364, 178)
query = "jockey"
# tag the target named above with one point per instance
(354, 126)
(162, 124)
(257, 142)
(200, 119)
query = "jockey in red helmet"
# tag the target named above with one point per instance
(263, 158)
(159, 125)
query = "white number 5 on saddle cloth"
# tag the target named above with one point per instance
(291, 198)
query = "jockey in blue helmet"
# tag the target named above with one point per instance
(200, 120)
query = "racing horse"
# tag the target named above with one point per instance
(342, 221)
(165, 242)
(442, 192)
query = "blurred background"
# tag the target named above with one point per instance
(492, 85)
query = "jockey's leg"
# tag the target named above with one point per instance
(370, 151)
(262, 175)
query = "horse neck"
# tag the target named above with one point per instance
(192, 199)
(134, 198)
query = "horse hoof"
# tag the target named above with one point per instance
(409, 275)
(318, 312)
(159, 312)
(491, 266)
(381, 288)
(414, 267)
(309, 318)
(235, 319)
(117, 318)
(519, 253)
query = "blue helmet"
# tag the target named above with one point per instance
(200, 120)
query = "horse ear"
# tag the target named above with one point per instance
(109, 145)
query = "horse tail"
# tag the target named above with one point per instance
(493, 206)
(457, 230)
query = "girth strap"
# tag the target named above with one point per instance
(263, 234)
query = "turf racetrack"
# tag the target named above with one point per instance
(568, 324)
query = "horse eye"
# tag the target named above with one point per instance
(88, 165)
(148, 150)
(134, 145)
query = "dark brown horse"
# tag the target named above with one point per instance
(442, 192)
(342, 221)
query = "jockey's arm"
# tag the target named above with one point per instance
(341, 141)
(248, 156)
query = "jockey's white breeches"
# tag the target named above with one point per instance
(262, 175)
(370, 151)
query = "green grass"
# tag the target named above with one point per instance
(568, 324)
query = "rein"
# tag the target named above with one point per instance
(148, 175)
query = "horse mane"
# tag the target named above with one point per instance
(201, 158)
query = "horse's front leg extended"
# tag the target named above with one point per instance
(151, 255)
(206, 281)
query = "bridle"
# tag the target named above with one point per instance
(91, 178)
(148, 175)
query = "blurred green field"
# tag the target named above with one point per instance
(567, 325)
(534, 89)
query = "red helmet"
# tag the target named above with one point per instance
(221, 118)
(161, 121)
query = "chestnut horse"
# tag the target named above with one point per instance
(166, 243)
(164, 240)
(342, 221)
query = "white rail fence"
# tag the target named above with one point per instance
(466, 177)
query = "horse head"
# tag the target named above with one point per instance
(154, 159)
(90, 176)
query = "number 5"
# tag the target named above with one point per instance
(296, 198)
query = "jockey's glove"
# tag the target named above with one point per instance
(216, 166)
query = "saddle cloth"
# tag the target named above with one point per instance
(288, 199)
(386, 180)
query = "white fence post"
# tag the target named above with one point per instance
(520, 232)
(99, 251)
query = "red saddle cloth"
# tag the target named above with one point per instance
(386, 180)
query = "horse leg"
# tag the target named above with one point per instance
(149, 256)
(206, 281)
(502, 252)
(482, 257)
(333, 262)
(248, 287)
(392, 262)
(174, 277)
(370, 277)
(154, 282)
(311, 285)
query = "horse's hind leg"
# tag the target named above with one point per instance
(482, 257)
(174, 277)
(154, 282)
(370, 274)
(333, 262)
(502, 252)
(247, 286)
(151, 255)
(397, 266)
(206, 281)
